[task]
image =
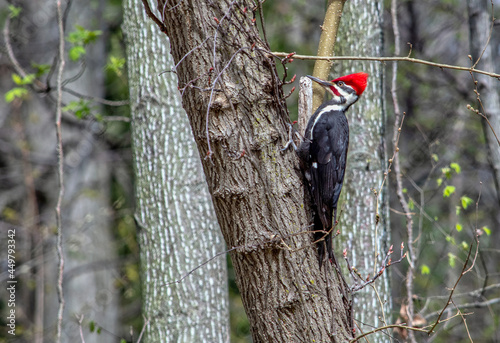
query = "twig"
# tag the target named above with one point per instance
(368, 281)
(393, 326)
(80, 320)
(390, 59)
(397, 171)
(481, 304)
(464, 320)
(97, 99)
(464, 271)
(12, 57)
(261, 16)
(150, 14)
(60, 159)
(146, 323)
(201, 265)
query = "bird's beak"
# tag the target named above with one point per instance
(321, 82)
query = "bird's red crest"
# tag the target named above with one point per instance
(357, 81)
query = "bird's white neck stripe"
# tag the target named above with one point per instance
(324, 110)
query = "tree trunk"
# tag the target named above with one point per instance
(229, 82)
(178, 228)
(365, 237)
(479, 27)
(30, 157)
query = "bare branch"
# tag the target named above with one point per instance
(153, 17)
(60, 158)
(390, 59)
(393, 326)
(464, 271)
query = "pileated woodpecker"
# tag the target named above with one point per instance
(324, 153)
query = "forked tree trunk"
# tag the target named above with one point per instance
(257, 191)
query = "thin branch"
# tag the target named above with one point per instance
(150, 14)
(146, 323)
(96, 99)
(12, 58)
(389, 59)
(465, 321)
(368, 281)
(201, 265)
(480, 304)
(464, 271)
(80, 320)
(393, 326)
(61, 174)
(397, 171)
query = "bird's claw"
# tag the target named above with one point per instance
(290, 138)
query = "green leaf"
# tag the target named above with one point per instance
(80, 108)
(450, 239)
(488, 231)
(82, 36)
(439, 181)
(76, 52)
(451, 259)
(446, 172)
(448, 190)
(123, 341)
(466, 201)
(435, 157)
(18, 80)
(465, 246)
(411, 204)
(456, 167)
(116, 65)
(457, 210)
(41, 69)
(14, 11)
(458, 227)
(17, 92)
(21, 81)
(405, 190)
(92, 326)
(425, 270)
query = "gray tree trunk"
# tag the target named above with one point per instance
(479, 28)
(29, 156)
(235, 105)
(178, 227)
(366, 239)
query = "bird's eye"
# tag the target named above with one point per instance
(340, 83)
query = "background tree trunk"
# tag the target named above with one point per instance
(479, 28)
(367, 241)
(178, 228)
(29, 190)
(229, 83)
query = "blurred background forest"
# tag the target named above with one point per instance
(447, 172)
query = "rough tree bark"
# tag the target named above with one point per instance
(236, 109)
(365, 236)
(178, 228)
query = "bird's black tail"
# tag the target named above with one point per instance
(324, 246)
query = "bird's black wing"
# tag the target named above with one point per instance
(328, 153)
